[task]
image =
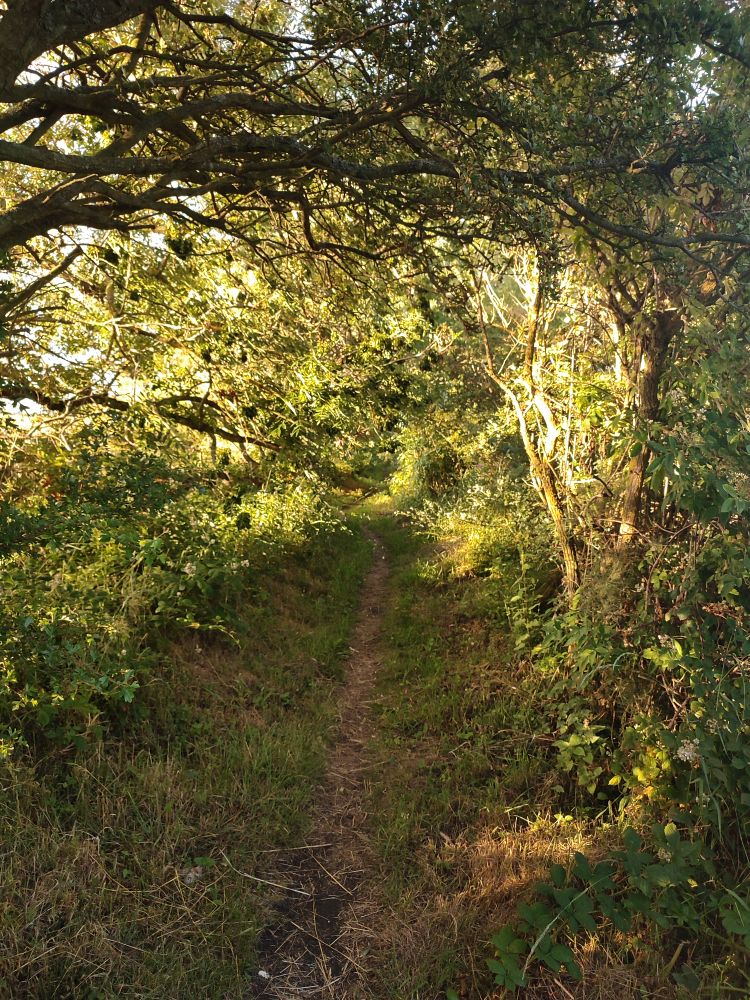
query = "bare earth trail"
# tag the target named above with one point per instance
(317, 946)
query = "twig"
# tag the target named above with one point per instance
(332, 877)
(324, 944)
(264, 881)
(285, 850)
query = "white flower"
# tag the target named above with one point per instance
(688, 751)
(190, 569)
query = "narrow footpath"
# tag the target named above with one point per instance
(317, 946)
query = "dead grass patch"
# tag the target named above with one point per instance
(470, 887)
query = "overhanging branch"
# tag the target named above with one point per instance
(17, 393)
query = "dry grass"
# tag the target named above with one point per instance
(124, 868)
(312, 948)
(470, 887)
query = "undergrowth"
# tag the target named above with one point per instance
(513, 806)
(171, 670)
(619, 711)
(464, 760)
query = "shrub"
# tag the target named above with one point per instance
(93, 582)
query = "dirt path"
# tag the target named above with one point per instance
(317, 946)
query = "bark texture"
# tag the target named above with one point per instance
(657, 337)
(30, 28)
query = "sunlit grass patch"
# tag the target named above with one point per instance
(469, 809)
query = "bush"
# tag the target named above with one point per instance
(94, 579)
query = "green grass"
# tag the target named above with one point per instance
(125, 864)
(458, 737)
(122, 863)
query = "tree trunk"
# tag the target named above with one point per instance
(540, 457)
(657, 337)
(545, 477)
(29, 28)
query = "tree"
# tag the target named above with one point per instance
(370, 129)
(277, 363)
(407, 131)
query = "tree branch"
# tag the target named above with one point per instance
(16, 393)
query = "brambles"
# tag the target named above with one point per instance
(252, 256)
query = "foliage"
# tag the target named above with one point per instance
(149, 113)
(668, 888)
(671, 886)
(249, 250)
(280, 362)
(127, 858)
(172, 632)
(120, 554)
(460, 476)
(643, 667)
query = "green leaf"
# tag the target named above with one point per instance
(557, 874)
(536, 915)
(515, 974)
(503, 938)
(631, 840)
(583, 909)
(562, 953)
(581, 867)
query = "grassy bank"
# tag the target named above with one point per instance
(126, 858)
(471, 808)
